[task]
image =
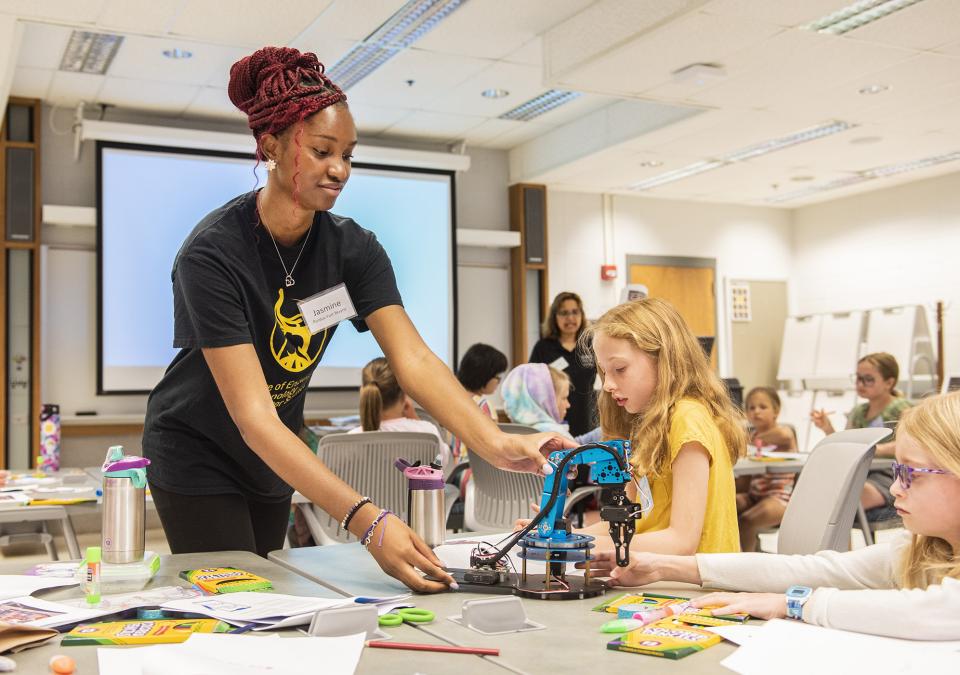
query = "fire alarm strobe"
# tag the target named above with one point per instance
(608, 272)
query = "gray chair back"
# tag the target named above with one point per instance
(364, 461)
(825, 499)
(496, 498)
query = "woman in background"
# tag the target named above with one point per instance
(558, 348)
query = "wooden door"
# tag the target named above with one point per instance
(689, 289)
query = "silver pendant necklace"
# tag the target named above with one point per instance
(288, 279)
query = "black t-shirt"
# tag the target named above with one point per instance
(582, 415)
(228, 289)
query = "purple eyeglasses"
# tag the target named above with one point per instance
(904, 473)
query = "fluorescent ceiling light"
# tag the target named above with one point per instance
(541, 104)
(749, 152)
(869, 174)
(90, 52)
(856, 15)
(410, 23)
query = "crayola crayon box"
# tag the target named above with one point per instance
(653, 601)
(158, 631)
(666, 638)
(225, 580)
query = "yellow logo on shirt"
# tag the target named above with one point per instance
(291, 343)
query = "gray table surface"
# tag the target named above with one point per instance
(571, 643)
(378, 661)
(751, 467)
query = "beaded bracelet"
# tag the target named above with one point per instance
(352, 512)
(368, 535)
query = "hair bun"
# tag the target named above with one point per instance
(270, 71)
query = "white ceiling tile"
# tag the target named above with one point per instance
(735, 132)
(372, 119)
(489, 130)
(71, 88)
(439, 126)
(522, 83)
(145, 95)
(952, 48)
(925, 25)
(432, 74)
(649, 60)
(154, 18)
(43, 45)
(518, 135)
(31, 82)
(794, 66)
(214, 102)
(246, 22)
(348, 19)
(492, 29)
(530, 54)
(72, 11)
(142, 58)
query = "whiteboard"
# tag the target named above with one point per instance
(891, 331)
(839, 347)
(799, 351)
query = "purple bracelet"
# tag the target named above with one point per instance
(368, 535)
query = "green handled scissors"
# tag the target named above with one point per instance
(406, 615)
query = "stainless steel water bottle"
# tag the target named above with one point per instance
(124, 501)
(426, 514)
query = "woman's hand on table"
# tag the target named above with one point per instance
(401, 553)
(760, 605)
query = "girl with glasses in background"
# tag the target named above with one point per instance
(914, 577)
(876, 381)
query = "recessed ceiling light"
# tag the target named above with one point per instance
(871, 89)
(802, 179)
(177, 53)
(651, 163)
(494, 93)
(865, 140)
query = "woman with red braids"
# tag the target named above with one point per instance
(258, 288)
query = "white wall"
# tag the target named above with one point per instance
(747, 243)
(889, 247)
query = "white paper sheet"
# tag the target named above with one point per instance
(794, 648)
(219, 654)
(37, 612)
(153, 597)
(738, 635)
(456, 554)
(272, 610)
(18, 585)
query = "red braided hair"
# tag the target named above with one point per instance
(280, 86)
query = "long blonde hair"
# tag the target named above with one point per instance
(380, 390)
(935, 425)
(654, 326)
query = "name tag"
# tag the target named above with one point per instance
(560, 364)
(327, 308)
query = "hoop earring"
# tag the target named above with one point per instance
(271, 164)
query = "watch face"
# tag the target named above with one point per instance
(797, 591)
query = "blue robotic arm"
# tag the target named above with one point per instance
(610, 468)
